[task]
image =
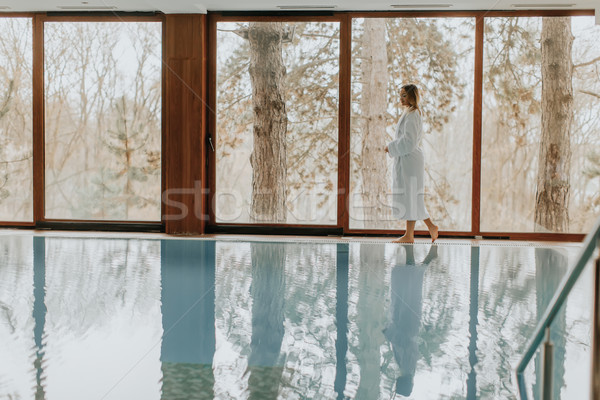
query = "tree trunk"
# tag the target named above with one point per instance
(552, 197)
(373, 110)
(268, 159)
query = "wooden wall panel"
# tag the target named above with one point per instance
(38, 120)
(343, 205)
(477, 125)
(184, 113)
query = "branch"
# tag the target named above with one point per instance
(243, 33)
(5, 106)
(319, 35)
(587, 63)
(15, 161)
(590, 93)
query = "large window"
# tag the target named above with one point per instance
(277, 122)
(438, 56)
(16, 140)
(290, 98)
(541, 137)
(103, 120)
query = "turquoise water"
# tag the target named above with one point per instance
(116, 318)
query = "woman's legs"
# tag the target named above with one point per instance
(433, 229)
(409, 236)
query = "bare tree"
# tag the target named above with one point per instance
(103, 121)
(16, 139)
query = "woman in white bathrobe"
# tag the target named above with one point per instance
(408, 191)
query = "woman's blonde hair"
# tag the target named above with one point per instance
(412, 95)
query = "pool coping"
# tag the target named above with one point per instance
(280, 238)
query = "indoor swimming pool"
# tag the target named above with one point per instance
(117, 317)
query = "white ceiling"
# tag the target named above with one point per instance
(201, 6)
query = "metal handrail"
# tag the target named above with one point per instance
(590, 244)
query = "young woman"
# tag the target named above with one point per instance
(409, 167)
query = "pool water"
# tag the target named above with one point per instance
(123, 318)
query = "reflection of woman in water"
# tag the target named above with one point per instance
(403, 327)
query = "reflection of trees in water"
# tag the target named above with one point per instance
(310, 308)
(550, 267)
(232, 307)
(90, 281)
(303, 295)
(267, 291)
(370, 318)
(16, 319)
(506, 317)
(440, 308)
(506, 308)
(17, 255)
(341, 320)
(39, 309)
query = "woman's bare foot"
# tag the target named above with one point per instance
(405, 239)
(433, 231)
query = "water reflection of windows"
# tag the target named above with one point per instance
(17, 322)
(103, 315)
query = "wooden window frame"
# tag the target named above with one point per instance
(22, 224)
(343, 119)
(40, 220)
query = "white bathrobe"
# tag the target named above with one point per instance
(408, 190)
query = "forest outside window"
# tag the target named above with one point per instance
(277, 115)
(436, 54)
(277, 122)
(103, 120)
(540, 136)
(16, 138)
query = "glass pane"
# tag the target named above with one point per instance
(16, 139)
(559, 191)
(438, 56)
(103, 120)
(277, 122)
